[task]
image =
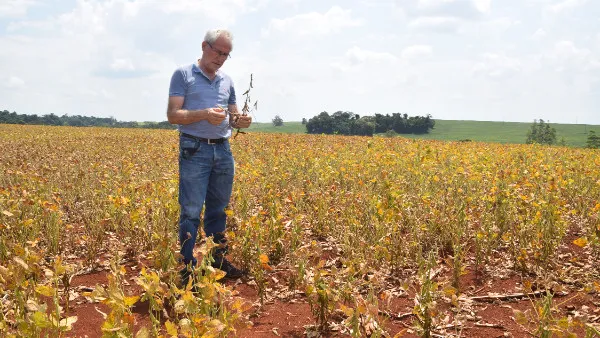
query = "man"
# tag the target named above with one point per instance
(198, 95)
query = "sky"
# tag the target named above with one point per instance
(484, 60)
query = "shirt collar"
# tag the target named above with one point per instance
(196, 69)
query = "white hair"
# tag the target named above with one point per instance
(213, 34)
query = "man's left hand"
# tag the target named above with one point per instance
(244, 121)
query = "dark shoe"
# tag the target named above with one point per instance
(186, 275)
(230, 270)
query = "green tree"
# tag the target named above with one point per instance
(541, 133)
(593, 140)
(320, 124)
(277, 121)
(364, 126)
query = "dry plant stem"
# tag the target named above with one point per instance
(400, 316)
(497, 326)
(513, 296)
(246, 109)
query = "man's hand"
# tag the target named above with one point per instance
(243, 121)
(215, 116)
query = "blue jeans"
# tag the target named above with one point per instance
(205, 179)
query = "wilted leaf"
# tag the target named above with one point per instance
(185, 325)
(215, 323)
(40, 320)
(33, 306)
(67, 322)
(129, 301)
(400, 334)
(45, 290)
(104, 315)
(520, 317)
(143, 333)
(347, 310)
(21, 262)
(454, 300)
(7, 213)
(449, 291)
(580, 242)
(219, 274)
(171, 328)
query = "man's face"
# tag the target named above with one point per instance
(215, 54)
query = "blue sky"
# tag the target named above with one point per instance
(487, 60)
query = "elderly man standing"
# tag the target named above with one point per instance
(198, 95)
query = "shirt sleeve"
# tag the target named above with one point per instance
(232, 98)
(177, 86)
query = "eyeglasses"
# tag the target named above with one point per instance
(226, 55)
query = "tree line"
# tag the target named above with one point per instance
(541, 132)
(348, 123)
(52, 119)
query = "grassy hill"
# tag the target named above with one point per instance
(482, 131)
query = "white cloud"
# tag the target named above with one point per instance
(122, 64)
(566, 56)
(416, 52)
(357, 58)
(15, 8)
(483, 6)
(314, 23)
(15, 82)
(467, 9)
(358, 55)
(565, 5)
(116, 57)
(539, 34)
(497, 66)
(440, 24)
(502, 24)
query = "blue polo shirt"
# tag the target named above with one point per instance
(200, 92)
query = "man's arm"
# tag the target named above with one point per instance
(177, 115)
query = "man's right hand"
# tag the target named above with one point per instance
(215, 116)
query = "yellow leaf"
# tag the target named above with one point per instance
(129, 301)
(401, 333)
(45, 290)
(347, 310)
(219, 274)
(40, 319)
(264, 259)
(171, 328)
(143, 333)
(580, 242)
(361, 309)
(454, 300)
(449, 291)
(187, 296)
(520, 317)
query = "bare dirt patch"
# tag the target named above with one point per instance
(287, 313)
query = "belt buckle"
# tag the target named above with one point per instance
(209, 141)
